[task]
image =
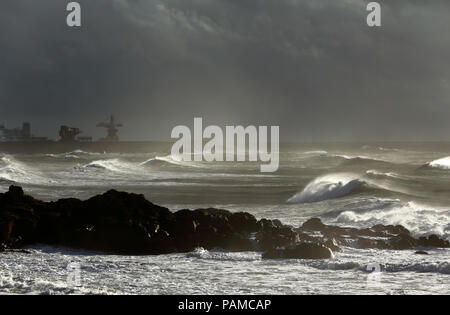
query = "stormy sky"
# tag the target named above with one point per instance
(313, 67)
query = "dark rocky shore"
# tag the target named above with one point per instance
(123, 223)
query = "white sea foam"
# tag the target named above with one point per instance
(81, 153)
(383, 174)
(171, 160)
(443, 164)
(419, 219)
(220, 255)
(388, 149)
(361, 160)
(44, 271)
(78, 152)
(438, 267)
(238, 187)
(318, 152)
(342, 262)
(114, 165)
(14, 171)
(354, 157)
(328, 187)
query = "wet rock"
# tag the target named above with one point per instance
(244, 222)
(367, 243)
(125, 223)
(15, 193)
(333, 245)
(328, 231)
(272, 235)
(113, 222)
(18, 220)
(18, 251)
(314, 224)
(421, 252)
(277, 223)
(391, 229)
(433, 241)
(403, 241)
(210, 228)
(300, 251)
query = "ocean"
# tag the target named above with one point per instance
(347, 184)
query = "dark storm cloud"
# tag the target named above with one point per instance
(313, 67)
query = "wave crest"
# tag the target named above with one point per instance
(419, 219)
(442, 164)
(328, 187)
(170, 160)
(362, 161)
(375, 173)
(15, 172)
(112, 165)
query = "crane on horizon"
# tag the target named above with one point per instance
(111, 129)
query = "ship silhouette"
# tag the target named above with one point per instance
(21, 140)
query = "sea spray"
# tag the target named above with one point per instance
(327, 187)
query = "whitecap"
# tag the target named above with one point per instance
(15, 172)
(419, 219)
(328, 187)
(443, 164)
(113, 165)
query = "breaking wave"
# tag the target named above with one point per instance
(442, 164)
(375, 173)
(117, 165)
(328, 187)
(74, 155)
(162, 160)
(169, 160)
(317, 152)
(362, 161)
(419, 219)
(388, 149)
(78, 152)
(15, 172)
(112, 165)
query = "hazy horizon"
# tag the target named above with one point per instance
(313, 67)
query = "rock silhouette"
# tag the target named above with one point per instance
(126, 223)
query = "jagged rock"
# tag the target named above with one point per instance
(433, 241)
(328, 231)
(391, 229)
(314, 224)
(18, 220)
(209, 228)
(300, 251)
(245, 222)
(366, 243)
(125, 223)
(403, 241)
(277, 223)
(379, 236)
(113, 222)
(272, 235)
(333, 245)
